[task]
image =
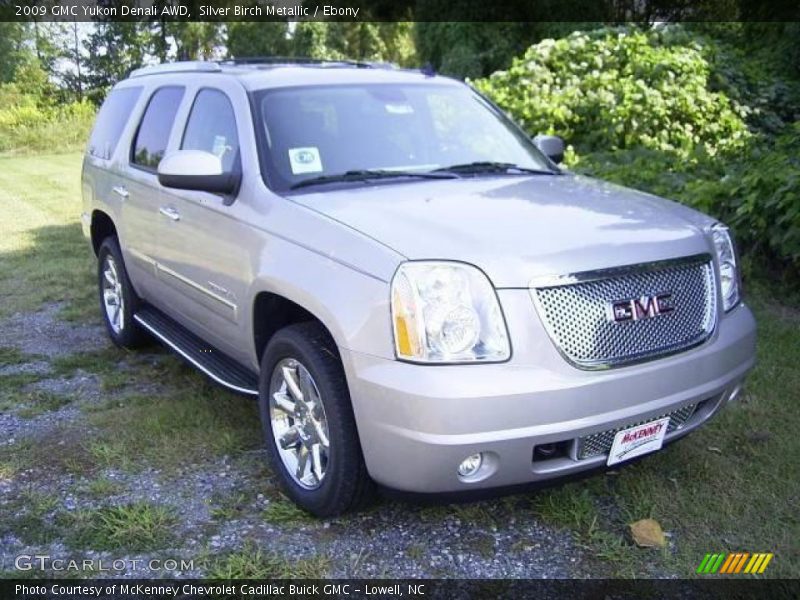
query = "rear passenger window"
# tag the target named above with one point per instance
(111, 121)
(212, 127)
(153, 134)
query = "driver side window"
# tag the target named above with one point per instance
(212, 128)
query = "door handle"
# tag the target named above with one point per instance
(170, 213)
(121, 191)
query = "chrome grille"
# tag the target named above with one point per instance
(600, 443)
(576, 312)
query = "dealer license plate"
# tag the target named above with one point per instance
(635, 441)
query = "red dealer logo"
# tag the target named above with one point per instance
(649, 431)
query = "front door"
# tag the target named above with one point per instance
(202, 237)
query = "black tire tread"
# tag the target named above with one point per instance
(353, 492)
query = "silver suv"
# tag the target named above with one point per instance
(414, 290)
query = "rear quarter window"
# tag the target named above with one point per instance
(111, 120)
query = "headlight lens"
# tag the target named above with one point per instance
(728, 270)
(445, 312)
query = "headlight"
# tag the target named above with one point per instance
(728, 269)
(445, 312)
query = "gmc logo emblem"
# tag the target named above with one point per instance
(637, 309)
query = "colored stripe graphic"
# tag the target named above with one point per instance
(715, 567)
(764, 564)
(702, 567)
(735, 562)
(728, 563)
(741, 562)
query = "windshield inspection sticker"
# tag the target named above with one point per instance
(399, 109)
(305, 160)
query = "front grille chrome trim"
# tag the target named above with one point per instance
(548, 281)
(546, 284)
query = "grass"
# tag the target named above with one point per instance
(43, 256)
(102, 487)
(282, 511)
(252, 563)
(38, 402)
(29, 518)
(12, 356)
(135, 527)
(169, 429)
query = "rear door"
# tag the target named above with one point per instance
(104, 177)
(141, 190)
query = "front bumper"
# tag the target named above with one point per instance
(417, 423)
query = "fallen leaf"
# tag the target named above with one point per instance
(647, 533)
(714, 449)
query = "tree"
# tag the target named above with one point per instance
(114, 49)
(13, 49)
(258, 39)
(310, 40)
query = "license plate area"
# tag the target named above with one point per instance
(638, 440)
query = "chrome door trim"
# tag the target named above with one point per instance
(170, 213)
(121, 191)
(194, 285)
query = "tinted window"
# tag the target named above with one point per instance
(111, 121)
(153, 135)
(212, 127)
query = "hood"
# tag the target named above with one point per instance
(516, 228)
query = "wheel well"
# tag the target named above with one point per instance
(102, 227)
(271, 313)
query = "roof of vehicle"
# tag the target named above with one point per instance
(258, 73)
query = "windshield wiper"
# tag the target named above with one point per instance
(492, 167)
(369, 174)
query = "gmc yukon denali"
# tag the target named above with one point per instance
(415, 291)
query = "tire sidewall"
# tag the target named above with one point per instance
(336, 402)
(130, 335)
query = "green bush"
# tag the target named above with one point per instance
(756, 192)
(679, 113)
(32, 119)
(26, 129)
(620, 88)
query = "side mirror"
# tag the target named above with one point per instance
(197, 170)
(551, 146)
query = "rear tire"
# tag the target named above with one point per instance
(309, 427)
(118, 300)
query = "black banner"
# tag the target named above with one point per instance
(359, 589)
(610, 11)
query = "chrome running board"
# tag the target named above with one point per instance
(216, 365)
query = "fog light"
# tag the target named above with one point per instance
(471, 465)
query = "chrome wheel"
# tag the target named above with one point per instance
(113, 300)
(299, 424)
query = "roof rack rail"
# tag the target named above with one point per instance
(304, 60)
(187, 66)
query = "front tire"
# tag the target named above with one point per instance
(309, 427)
(118, 300)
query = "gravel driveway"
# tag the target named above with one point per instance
(221, 507)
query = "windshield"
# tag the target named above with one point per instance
(322, 131)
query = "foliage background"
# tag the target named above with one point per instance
(706, 114)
